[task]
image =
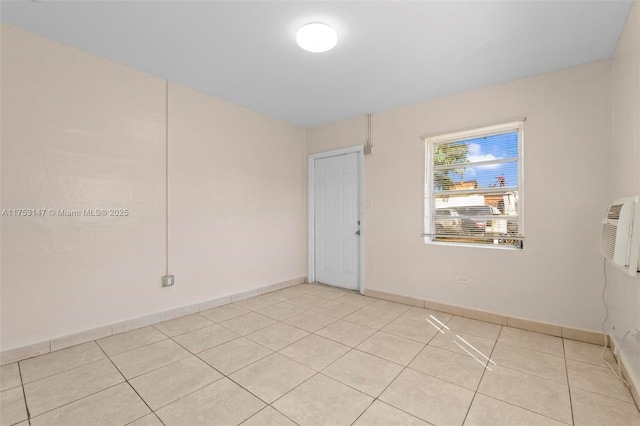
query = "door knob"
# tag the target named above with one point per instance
(358, 232)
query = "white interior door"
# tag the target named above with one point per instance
(337, 226)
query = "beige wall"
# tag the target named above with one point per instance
(557, 278)
(237, 197)
(625, 291)
(81, 132)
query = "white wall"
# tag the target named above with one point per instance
(557, 278)
(81, 132)
(625, 291)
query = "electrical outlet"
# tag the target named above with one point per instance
(462, 279)
(168, 281)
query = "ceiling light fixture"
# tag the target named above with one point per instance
(316, 37)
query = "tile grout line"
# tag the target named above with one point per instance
(566, 370)
(484, 370)
(172, 363)
(76, 400)
(510, 403)
(196, 355)
(24, 394)
(125, 380)
(315, 373)
(398, 375)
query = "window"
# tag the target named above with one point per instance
(473, 192)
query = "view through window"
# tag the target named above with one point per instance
(473, 187)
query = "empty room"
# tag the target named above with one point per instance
(319, 213)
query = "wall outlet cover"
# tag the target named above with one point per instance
(168, 281)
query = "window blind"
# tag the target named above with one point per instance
(473, 187)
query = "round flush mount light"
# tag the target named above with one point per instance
(317, 37)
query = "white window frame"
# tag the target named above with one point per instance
(429, 204)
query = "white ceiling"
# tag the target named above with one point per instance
(389, 53)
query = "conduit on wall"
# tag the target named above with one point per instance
(166, 140)
(368, 145)
(167, 280)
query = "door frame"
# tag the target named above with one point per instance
(311, 245)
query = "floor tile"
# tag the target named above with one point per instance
(148, 358)
(12, 407)
(118, 405)
(454, 368)
(281, 311)
(390, 307)
(272, 377)
(223, 313)
(474, 327)
(183, 324)
(347, 333)
(220, 403)
(276, 295)
(371, 317)
(596, 379)
(9, 376)
(268, 417)
(302, 286)
(167, 384)
(430, 399)
(319, 378)
(289, 293)
(379, 414)
(148, 420)
(133, 339)
(54, 391)
(234, 355)
(315, 352)
(56, 362)
(308, 301)
(463, 343)
(336, 309)
(587, 352)
(328, 292)
(590, 409)
(322, 401)
(533, 341)
(403, 327)
(310, 321)
(255, 303)
(531, 362)
(247, 323)
(392, 348)
(543, 396)
(364, 372)
(427, 316)
(356, 300)
(489, 411)
(277, 336)
(205, 338)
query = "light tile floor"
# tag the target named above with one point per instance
(316, 355)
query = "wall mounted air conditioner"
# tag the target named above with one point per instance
(620, 237)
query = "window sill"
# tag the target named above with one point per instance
(428, 242)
